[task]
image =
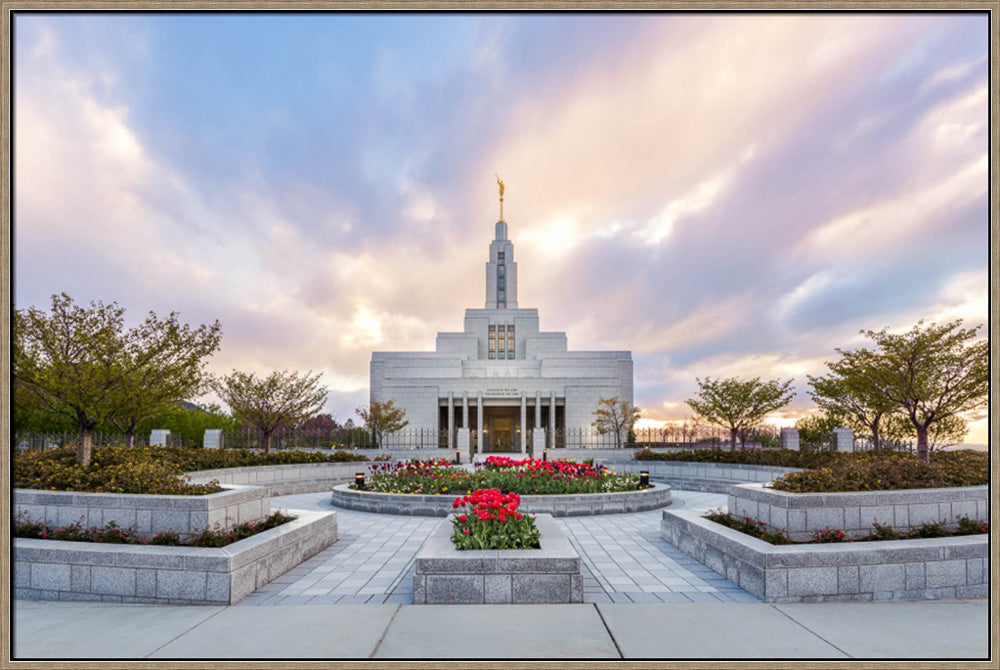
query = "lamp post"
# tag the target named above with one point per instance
(643, 479)
(359, 481)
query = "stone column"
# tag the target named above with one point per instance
(524, 419)
(480, 424)
(451, 420)
(843, 438)
(552, 418)
(464, 439)
(790, 438)
(212, 439)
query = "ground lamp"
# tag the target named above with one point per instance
(458, 457)
(545, 454)
(644, 479)
(359, 481)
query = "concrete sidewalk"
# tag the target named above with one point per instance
(931, 630)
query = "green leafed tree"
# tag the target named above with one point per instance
(932, 373)
(268, 403)
(85, 365)
(850, 391)
(167, 362)
(383, 418)
(615, 416)
(739, 404)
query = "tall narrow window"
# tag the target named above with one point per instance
(493, 342)
(510, 341)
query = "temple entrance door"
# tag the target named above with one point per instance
(501, 437)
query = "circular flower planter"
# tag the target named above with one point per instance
(576, 504)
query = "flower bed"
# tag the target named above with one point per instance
(112, 533)
(550, 574)
(801, 515)
(878, 532)
(54, 570)
(580, 504)
(492, 522)
(947, 567)
(158, 470)
(526, 477)
(149, 514)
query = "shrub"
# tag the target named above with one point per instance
(872, 471)
(112, 533)
(749, 526)
(787, 458)
(830, 535)
(157, 470)
(880, 532)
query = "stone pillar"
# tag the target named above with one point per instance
(481, 426)
(843, 439)
(552, 418)
(465, 409)
(463, 439)
(524, 420)
(158, 438)
(465, 444)
(790, 438)
(538, 410)
(213, 438)
(451, 420)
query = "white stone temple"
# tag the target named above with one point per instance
(501, 378)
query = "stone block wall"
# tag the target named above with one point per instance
(801, 515)
(54, 570)
(149, 514)
(551, 574)
(920, 569)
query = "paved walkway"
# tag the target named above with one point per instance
(624, 559)
(645, 600)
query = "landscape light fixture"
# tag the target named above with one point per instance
(545, 454)
(458, 457)
(644, 479)
(359, 481)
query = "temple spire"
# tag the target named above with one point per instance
(500, 182)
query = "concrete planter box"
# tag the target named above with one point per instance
(582, 504)
(922, 569)
(280, 480)
(54, 570)
(551, 574)
(801, 515)
(149, 514)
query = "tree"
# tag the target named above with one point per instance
(383, 418)
(83, 364)
(932, 373)
(167, 366)
(812, 429)
(615, 416)
(738, 404)
(849, 390)
(269, 403)
(189, 422)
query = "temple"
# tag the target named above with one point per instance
(501, 384)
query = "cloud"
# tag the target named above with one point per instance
(719, 194)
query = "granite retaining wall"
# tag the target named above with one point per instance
(582, 504)
(55, 570)
(801, 515)
(149, 514)
(919, 569)
(550, 574)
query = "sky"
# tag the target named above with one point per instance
(720, 194)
